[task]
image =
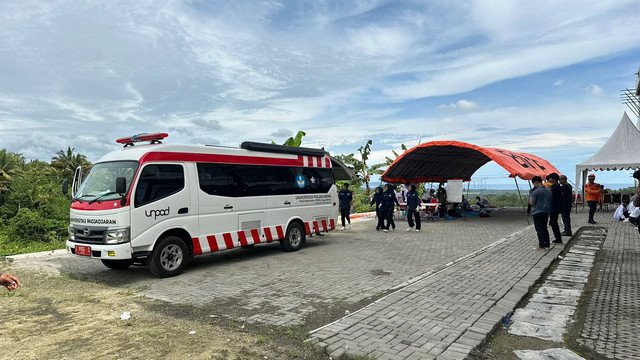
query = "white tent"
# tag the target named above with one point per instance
(620, 152)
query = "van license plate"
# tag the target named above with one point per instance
(83, 250)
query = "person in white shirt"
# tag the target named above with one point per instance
(634, 216)
(621, 213)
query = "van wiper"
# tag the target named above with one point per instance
(101, 196)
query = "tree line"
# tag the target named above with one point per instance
(34, 214)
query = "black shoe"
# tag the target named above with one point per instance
(377, 228)
(566, 234)
(592, 222)
(557, 242)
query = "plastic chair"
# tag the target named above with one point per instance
(578, 201)
(626, 198)
(616, 199)
(606, 201)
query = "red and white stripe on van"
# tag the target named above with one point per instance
(223, 241)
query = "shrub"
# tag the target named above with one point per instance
(28, 226)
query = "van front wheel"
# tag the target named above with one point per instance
(294, 238)
(169, 257)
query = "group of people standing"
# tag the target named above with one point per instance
(549, 202)
(385, 201)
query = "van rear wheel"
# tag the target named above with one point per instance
(117, 264)
(294, 238)
(169, 257)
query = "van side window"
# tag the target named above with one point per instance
(256, 180)
(216, 179)
(157, 182)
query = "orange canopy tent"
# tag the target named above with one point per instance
(447, 160)
(444, 160)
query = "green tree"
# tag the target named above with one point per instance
(66, 162)
(10, 165)
(360, 166)
(30, 189)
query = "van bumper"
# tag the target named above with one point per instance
(100, 251)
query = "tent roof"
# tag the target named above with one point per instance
(619, 152)
(444, 160)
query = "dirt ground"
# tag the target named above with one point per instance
(61, 317)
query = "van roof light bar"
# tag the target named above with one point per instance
(155, 138)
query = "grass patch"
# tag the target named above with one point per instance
(15, 247)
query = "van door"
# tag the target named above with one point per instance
(161, 201)
(231, 207)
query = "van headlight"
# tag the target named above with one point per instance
(116, 236)
(72, 233)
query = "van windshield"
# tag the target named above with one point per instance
(100, 184)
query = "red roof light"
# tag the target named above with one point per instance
(154, 138)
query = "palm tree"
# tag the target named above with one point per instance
(66, 162)
(11, 163)
(360, 167)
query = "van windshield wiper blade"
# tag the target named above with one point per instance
(101, 196)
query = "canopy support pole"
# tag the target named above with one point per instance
(521, 201)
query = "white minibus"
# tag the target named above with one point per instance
(161, 204)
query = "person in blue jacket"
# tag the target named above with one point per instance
(413, 202)
(377, 199)
(345, 196)
(387, 206)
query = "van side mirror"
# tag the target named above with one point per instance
(65, 186)
(121, 185)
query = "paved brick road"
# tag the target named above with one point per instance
(281, 288)
(445, 315)
(439, 307)
(612, 324)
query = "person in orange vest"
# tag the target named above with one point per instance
(593, 195)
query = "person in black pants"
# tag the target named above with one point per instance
(413, 202)
(441, 195)
(387, 206)
(377, 199)
(593, 194)
(345, 197)
(567, 201)
(541, 205)
(556, 206)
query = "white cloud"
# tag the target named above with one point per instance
(344, 72)
(460, 105)
(282, 133)
(593, 89)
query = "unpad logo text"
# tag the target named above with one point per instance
(156, 213)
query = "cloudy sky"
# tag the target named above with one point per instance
(537, 76)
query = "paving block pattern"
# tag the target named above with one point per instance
(551, 308)
(263, 284)
(611, 326)
(548, 354)
(444, 315)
